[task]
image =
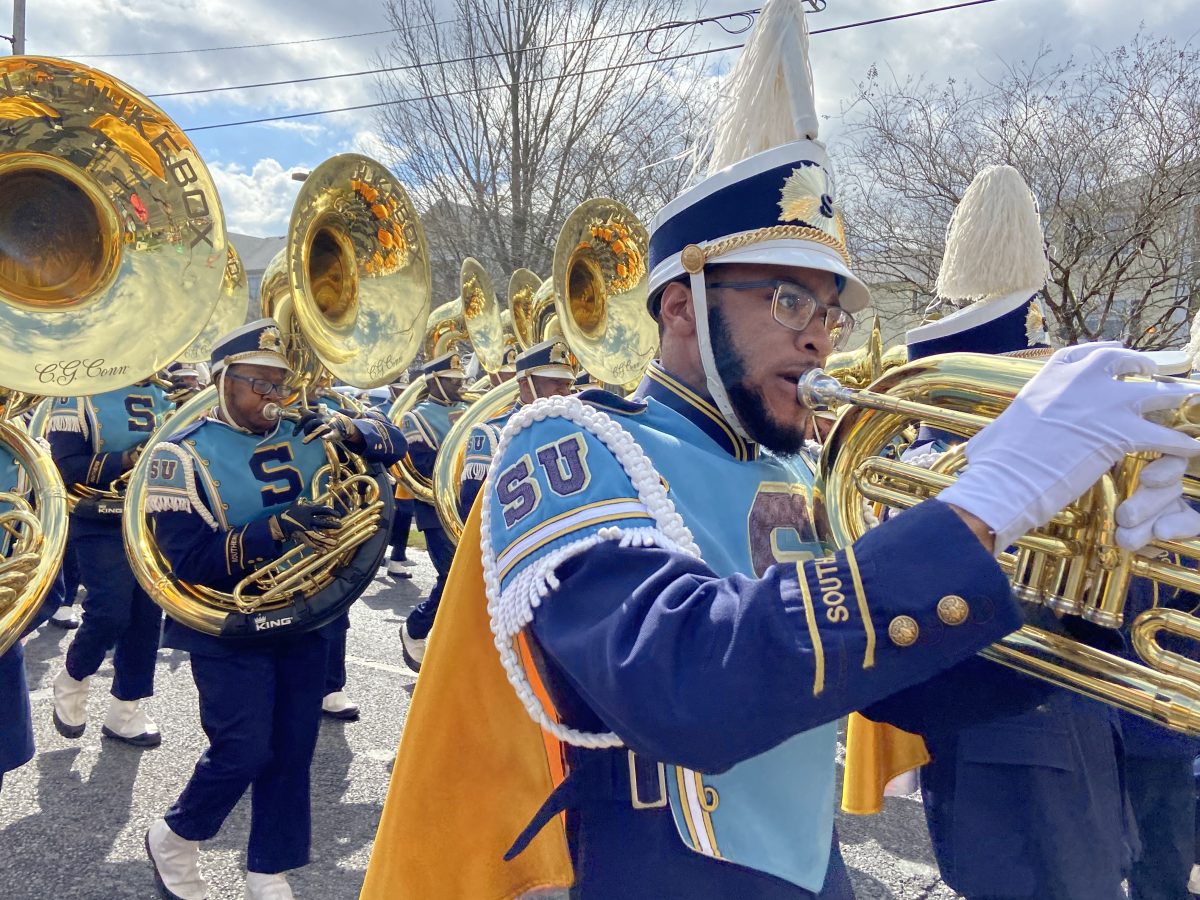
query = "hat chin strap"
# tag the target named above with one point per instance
(712, 378)
(226, 415)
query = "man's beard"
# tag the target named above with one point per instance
(783, 439)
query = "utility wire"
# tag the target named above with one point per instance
(333, 37)
(666, 26)
(815, 5)
(474, 90)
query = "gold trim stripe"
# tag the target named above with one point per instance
(813, 633)
(863, 609)
(740, 448)
(706, 813)
(685, 807)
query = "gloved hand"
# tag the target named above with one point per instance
(1072, 422)
(328, 425)
(1156, 509)
(308, 523)
(130, 457)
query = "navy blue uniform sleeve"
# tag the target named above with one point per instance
(422, 458)
(467, 493)
(217, 559)
(383, 442)
(77, 463)
(705, 672)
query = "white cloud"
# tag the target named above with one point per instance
(257, 202)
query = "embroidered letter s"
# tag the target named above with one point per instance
(517, 491)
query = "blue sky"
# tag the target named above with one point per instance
(252, 164)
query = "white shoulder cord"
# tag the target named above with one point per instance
(512, 610)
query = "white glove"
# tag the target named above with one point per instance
(1157, 510)
(1068, 425)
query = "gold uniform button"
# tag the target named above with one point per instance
(904, 631)
(953, 610)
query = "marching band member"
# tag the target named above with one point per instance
(656, 591)
(227, 497)
(544, 370)
(1040, 788)
(425, 427)
(95, 440)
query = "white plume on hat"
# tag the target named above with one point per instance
(994, 244)
(1193, 346)
(767, 100)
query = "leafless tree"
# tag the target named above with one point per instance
(1110, 146)
(534, 106)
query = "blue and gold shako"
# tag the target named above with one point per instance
(777, 207)
(257, 343)
(447, 366)
(549, 359)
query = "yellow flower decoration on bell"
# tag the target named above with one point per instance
(807, 197)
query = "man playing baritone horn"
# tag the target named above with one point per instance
(226, 496)
(653, 587)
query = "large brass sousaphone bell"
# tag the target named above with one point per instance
(354, 300)
(112, 251)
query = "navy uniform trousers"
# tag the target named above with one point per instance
(260, 707)
(117, 614)
(401, 525)
(335, 667)
(16, 735)
(441, 553)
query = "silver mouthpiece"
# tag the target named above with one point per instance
(272, 412)
(819, 391)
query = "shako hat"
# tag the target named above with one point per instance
(549, 359)
(995, 260)
(448, 365)
(769, 195)
(256, 343)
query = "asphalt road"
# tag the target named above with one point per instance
(72, 820)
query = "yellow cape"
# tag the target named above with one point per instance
(875, 754)
(471, 771)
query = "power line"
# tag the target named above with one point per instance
(666, 26)
(473, 90)
(333, 37)
(660, 59)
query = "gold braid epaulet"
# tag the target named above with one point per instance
(694, 256)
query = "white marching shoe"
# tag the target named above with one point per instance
(70, 704)
(338, 706)
(1194, 880)
(176, 863)
(267, 887)
(412, 648)
(398, 569)
(128, 722)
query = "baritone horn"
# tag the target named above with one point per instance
(109, 220)
(353, 287)
(1073, 565)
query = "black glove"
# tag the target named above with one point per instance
(325, 423)
(308, 523)
(130, 457)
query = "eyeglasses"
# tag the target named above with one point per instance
(794, 306)
(261, 386)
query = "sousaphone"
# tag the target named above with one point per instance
(112, 251)
(356, 298)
